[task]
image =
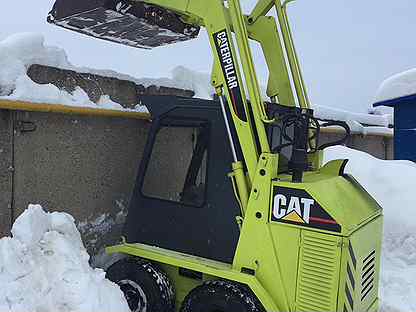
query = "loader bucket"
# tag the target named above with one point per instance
(130, 23)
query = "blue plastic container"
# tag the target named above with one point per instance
(404, 126)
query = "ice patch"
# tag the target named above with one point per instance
(44, 267)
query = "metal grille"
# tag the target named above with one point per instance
(368, 275)
(317, 279)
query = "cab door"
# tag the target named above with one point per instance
(183, 199)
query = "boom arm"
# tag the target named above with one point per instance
(221, 22)
(248, 116)
(233, 75)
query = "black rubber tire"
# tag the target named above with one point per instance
(146, 287)
(221, 296)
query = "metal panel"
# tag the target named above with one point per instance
(6, 171)
(377, 145)
(207, 231)
(85, 166)
(404, 116)
(404, 147)
(361, 268)
(318, 277)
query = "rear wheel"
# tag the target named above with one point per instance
(221, 296)
(146, 287)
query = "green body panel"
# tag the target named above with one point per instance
(264, 30)
(296, 268)
(343, 198)
(290, 264)
(361, 257)
(309, 246)
(172, 261)
(215, 17)
(318, 272)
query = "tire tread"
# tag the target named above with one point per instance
(229, 288)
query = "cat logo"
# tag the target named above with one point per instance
(298, 207)
(293, 209)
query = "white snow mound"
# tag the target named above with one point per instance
(392, 184)
(399, 85)
(19, 51)
(44, 267)
(324, 112)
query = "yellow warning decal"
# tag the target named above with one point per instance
(294, 217)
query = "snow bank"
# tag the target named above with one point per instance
(392, 183)
(399, 85)
(18, 52)
(387, 112)
(339, 114)
(44, 267)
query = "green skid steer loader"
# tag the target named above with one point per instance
(232, 208)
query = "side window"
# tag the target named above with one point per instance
(177, 168)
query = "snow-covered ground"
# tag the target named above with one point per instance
(44, 268)
(392, 184)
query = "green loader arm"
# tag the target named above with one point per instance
(153, 23)
(310, 238)
(229, 33)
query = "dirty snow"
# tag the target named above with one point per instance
(399, 85)
(44, 267)
(392, 184)
(100, 232)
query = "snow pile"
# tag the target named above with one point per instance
(44, 267)
(21, 50)
(325, 112)
(387, 112)
(182, 78)
(392, 184)
(399, 85)
(18, 52)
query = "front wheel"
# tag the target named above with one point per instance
(221, 296)
(145, 287)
